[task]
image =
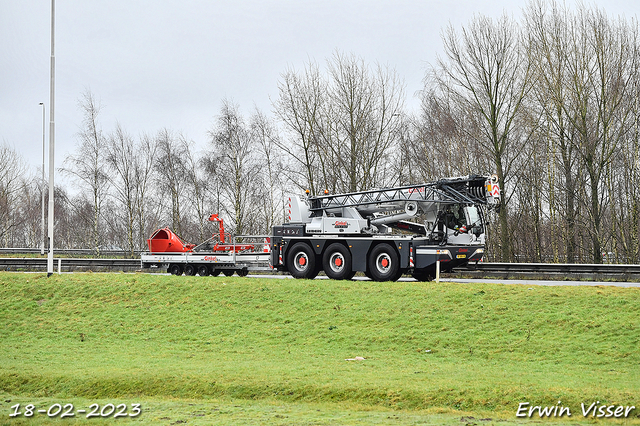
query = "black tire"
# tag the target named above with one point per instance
(337, 262)
(215, 272)
(423, 274)
(203, 270)
(175, 269)
(242, 272)
(301, 261)
(190, 270)
(228, 272)
(384, 264)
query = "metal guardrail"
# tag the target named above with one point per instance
(69, 264)
(558, 268)
(80, 252)
(550, 270)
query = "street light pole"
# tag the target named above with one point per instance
(42, 183)
(51, 138)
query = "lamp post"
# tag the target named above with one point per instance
(51, 139)
(42, 184)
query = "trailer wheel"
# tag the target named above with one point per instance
(228, 272)
(203, 270)
(384, 264)
(242, 272)
(175, 269)
(189, 270)
(337, 262)
(215, 272)
(301, 261)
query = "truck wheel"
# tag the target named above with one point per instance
(337, 262)
(242, 272)
(175, 269)
(423, 274)
(384, 264)
(189, 270)
(215, 272)
(203, 270)
(228, 272)
(301, 261)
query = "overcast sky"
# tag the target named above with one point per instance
(169, 63)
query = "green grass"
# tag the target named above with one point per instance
(430, 348)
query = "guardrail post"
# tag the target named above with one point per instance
(59, 266)
(234, 249)
(438, 271)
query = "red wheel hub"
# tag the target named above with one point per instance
(384, 263)
(338, 261)
(302, 261)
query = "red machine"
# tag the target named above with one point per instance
(166, 241)
(220, 245)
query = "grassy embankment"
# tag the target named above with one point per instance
(447, 348)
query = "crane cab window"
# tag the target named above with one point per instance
(454, 216)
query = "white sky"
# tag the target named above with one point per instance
(169, 63)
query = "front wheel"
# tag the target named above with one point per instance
(384, 264)
(301, 261)
(337, 262)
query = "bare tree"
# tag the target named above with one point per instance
(144, 175)
(601, 58)
(122, 158)
(172, 175)
(486, 73)
(344, 125)
(235, 163)
(12, 187)
(361, 120)
(88, 165)
(549, 47)
(198, 186)
(271, 185)
(301, 99)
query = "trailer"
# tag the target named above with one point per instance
(221, 253)
(383, 233)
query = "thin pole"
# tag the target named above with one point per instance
(51, 138)
(42, 183)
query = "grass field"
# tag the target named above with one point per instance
(260, 351)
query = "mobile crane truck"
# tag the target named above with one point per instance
(383, 233)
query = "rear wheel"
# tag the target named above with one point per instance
(190, 270)
(243, 272)
(203, 270)
(228, 272)
(301, 261)
(215, 272)
(337, 262)
(384, 264)
(175, 269)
